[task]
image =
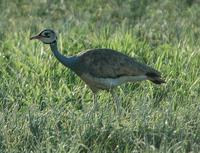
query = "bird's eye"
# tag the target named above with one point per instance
(46, 35)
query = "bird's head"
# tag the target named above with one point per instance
(47, 36)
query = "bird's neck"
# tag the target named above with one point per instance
(65, 60)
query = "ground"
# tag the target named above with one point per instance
(44, 106)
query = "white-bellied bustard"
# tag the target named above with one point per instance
(101, 69)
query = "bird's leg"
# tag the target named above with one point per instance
(117, 103)
(94, 107)
(95, 104)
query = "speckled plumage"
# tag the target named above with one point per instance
(108, 63)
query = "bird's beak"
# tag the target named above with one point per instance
(36, 37)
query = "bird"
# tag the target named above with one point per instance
(101, 68)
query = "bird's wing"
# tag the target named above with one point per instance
(107, 63)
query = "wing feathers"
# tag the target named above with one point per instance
(107, 63)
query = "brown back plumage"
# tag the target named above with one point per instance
(108, 63)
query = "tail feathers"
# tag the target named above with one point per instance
(155, 77)
(157, 80)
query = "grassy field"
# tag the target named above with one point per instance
(44, 106)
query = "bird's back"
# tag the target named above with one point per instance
(108, 63)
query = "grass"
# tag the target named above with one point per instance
(44, 106)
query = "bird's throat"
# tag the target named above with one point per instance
(65, 60)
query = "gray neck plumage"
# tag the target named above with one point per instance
(67, 61)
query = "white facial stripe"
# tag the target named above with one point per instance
(48, 36)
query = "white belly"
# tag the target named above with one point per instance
(112, 82)
(107, 83)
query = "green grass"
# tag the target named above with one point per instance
(44, 106)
